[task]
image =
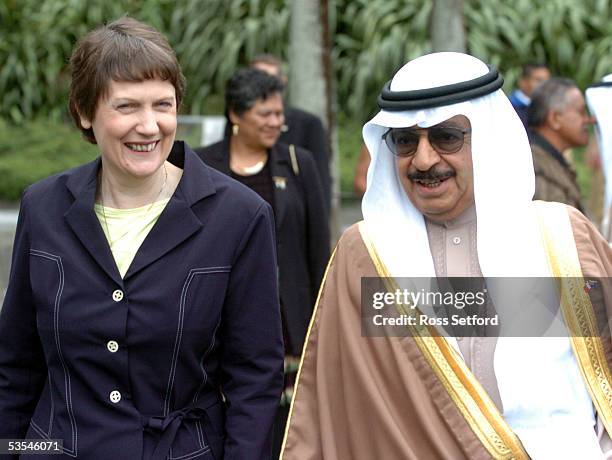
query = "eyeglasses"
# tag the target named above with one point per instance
(403, 142)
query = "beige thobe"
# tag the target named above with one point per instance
(453, 249)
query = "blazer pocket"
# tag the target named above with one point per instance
(202, 297)
(203, 438)
(47, 282)
(42, 420)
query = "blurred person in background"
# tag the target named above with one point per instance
(558, 120)
(286, 177)
(532, 75)
(301, 128)
(141, 319)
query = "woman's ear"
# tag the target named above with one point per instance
(234, 119)
(85, 123)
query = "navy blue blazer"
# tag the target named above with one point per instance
(181, 359)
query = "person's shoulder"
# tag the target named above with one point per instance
(212, 154)
(582, 227)
(209, 148)
(581, 224)
(236, 198)
(49, 186)
(353, 253)
(293, 114)
(351, 236)
(305, 161)
(302, 154)
(352, 243)
(543, 161)
(201, 181)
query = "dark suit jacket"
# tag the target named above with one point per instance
(196, 315)
(306, 130)
(302, 232)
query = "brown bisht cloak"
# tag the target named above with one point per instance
(413, 397)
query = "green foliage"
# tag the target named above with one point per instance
(371, 40)
(36, 149)
(214, 37)
(574, 38)
(349, 144)
(211, 38)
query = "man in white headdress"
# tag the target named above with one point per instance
(449, 193)
(599, 100)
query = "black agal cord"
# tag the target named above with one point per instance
(440, 95)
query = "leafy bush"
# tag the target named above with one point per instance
(34, 150)
(211, 38)
(371, 39)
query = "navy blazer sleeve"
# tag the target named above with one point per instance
(252, 348)
(22, 363)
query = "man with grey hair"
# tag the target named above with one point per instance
(559, 120)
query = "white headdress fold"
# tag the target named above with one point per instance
(599, 100)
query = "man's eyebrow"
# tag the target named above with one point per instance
(450, 124)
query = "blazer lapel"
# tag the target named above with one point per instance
(83, 221)
(177, 221)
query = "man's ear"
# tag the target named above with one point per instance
(553, 119)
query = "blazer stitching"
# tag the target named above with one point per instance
(194, 454)
(67, 384)
(42, 433)
(192, 273)
(200, 434)
(179, 333)
(52, 406)
(205, 379)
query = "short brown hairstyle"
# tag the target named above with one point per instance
(124, 50)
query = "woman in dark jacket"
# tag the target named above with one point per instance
(141, 320)
(286, 177)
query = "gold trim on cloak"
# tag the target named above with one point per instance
(464, 389)
(299, 373)
(576, 306)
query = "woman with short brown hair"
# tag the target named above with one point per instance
(141, 319)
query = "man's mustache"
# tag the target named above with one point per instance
(431, 174)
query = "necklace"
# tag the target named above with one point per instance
(250, 170)
(112, 242)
